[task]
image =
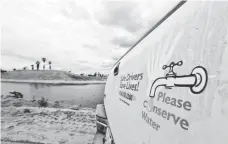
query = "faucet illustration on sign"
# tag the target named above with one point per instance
(196, 80)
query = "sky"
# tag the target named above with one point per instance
(81, 36)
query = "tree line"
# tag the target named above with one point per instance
(38, 65)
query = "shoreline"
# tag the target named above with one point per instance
(53, 82)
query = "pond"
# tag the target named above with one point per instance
(85, 95)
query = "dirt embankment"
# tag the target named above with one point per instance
(46, 75)
(25, 122)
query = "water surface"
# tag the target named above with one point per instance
(86, 95)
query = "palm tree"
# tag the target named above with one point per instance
(49, 65)
(37, 65)
(44, 60)
(24, 68)
(14, 69)
(32, 67)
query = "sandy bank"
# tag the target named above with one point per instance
(48, 75)
(53, 82)
(25, 123)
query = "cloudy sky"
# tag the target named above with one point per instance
(76, 35)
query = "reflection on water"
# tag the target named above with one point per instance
(86, 95)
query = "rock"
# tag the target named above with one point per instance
(27, 110)
(75, 107)
(10, 127)
(16, 94)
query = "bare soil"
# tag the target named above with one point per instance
(24, 122)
